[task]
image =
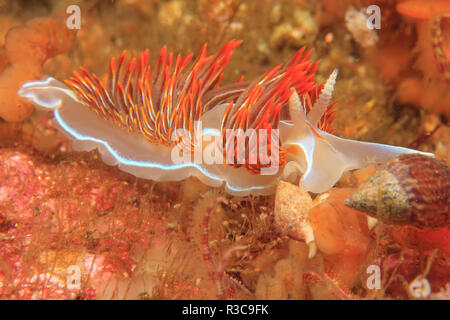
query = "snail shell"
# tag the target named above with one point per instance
(411, 189)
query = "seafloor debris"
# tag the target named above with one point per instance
(356, 22)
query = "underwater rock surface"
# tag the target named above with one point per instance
(63, 210)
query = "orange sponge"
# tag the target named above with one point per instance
(26, 49)
(341, 234)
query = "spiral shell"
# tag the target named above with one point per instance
(411, 189)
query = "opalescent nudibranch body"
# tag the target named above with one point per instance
(135, 120)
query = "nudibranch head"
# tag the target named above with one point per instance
(261, 106)
(173, 121)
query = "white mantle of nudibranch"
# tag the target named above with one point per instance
(320, 161)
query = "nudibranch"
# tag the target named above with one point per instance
(174, 121)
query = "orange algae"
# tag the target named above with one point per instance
(341, 234)
(423, 9)
(103, 229)
(434, 95)
(25, 51)
(11, 107)
(392, 61)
